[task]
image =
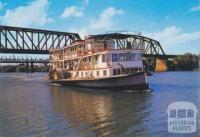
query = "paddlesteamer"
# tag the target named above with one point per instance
(97, 63)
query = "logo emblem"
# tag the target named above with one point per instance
(182, 117)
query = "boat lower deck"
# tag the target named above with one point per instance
(136, 81)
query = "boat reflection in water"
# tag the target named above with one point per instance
(100, 113)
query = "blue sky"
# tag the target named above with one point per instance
(175, 23)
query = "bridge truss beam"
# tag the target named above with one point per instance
(33, 41)
(123, 41)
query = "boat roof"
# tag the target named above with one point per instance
(78, 41)
(118, 36)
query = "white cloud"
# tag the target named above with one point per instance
(104, 22)
(196, 8)
(82, 32)
(105, 19)
(173, 38)
(72, 11)
(33, 14)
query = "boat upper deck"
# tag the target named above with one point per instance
(92, 45)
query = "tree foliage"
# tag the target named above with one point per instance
(22, 68)
(187, 61)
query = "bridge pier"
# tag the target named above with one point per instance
(27, 68)
(32, 67)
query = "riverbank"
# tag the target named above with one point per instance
(22, 68)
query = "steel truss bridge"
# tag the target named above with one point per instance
(27, 61)
(36, 41)
(5, 59)
(33, 41)
(16, 40)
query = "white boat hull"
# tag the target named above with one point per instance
(137, 81)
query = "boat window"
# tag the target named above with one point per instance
(103, 58)
(128, 57)
(65, 64)
(114, 72)
(132, 56)
(89, 59)
(108, 57)
(127, 70)
(114, 57)
(118, 71)
(105, 45)
(96, 57)
(84, 59)
(122, 57)
(139, 56)
(97, 73)
(104, 72)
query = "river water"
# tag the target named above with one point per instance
(31, 107)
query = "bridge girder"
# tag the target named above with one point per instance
(33, 41)
(160, 56)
